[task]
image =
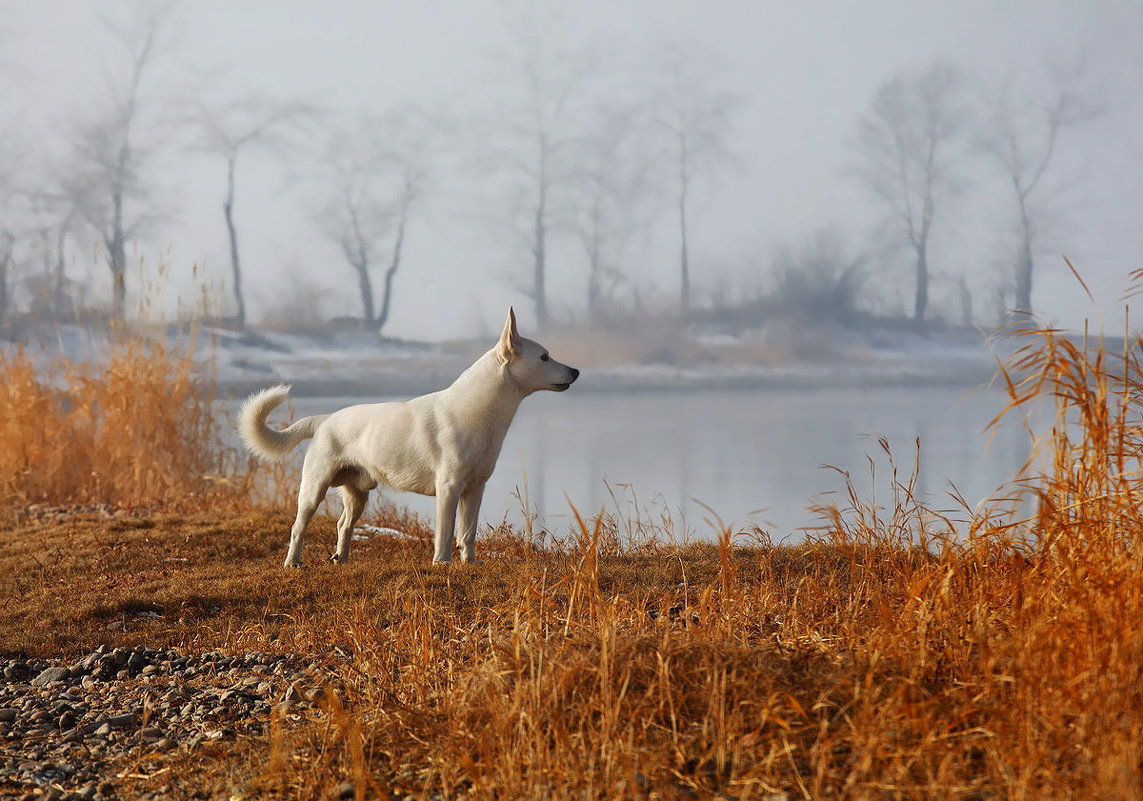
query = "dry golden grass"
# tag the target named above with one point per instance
(898, 656)
(138, 431)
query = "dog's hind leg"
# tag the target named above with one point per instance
(353, 502)
(468, 514)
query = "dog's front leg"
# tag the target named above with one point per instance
(469, 518)
(448, 495)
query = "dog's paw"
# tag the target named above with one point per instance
(293, 565)
(338, 560)
(442, 563)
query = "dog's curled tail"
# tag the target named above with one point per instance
(266, 442)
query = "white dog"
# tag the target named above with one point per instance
(443, 444)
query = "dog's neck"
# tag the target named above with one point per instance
(471, 390)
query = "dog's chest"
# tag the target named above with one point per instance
(475, 451)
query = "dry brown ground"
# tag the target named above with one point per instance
(68, 577)
(662, 671)
(74, 579)
(855, 671)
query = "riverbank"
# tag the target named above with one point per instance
(355, 363)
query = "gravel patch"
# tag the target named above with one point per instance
(67, 728)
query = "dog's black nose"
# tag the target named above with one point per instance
(575, 374)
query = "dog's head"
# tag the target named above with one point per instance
(529, 364)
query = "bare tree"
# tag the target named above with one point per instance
(32, 219)
(108, 186)
(375, 173)
(57, 219)
(697, 116)
(614, 179)
(241, 126)
(7, 250)
(907, 147)
(1022, 141)
(8, 196)
(546, 86)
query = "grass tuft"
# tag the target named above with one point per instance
(136, 431)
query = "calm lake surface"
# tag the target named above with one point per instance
(754, 457)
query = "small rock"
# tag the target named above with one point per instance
(17, 671)
(120, 721)
(345, 791)
(48, 675)
(8, 715)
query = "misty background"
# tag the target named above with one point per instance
(443, 115)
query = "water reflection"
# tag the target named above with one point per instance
(736, 452)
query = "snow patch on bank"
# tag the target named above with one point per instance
(361, 363)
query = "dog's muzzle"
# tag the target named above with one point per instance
(569, 382)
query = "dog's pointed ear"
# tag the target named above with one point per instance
(509, 344)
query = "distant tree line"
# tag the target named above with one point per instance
(915, 154)
(581, 157)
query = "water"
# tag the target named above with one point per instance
(753, 457)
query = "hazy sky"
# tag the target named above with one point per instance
(804, 73)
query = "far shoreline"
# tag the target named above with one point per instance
(652, 378)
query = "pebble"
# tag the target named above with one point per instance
(71, 724)
(48, 675)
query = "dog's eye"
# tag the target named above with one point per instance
(543, 357)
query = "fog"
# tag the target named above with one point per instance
(792, 80)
